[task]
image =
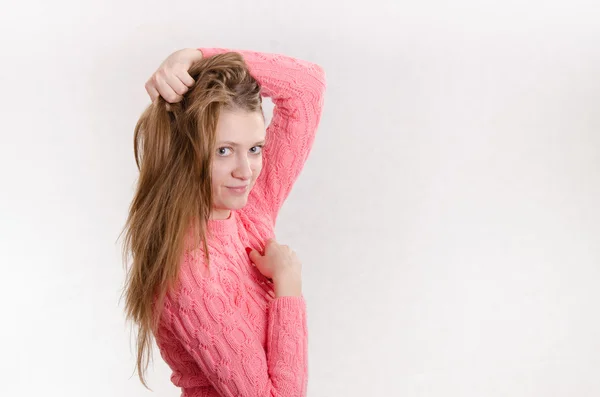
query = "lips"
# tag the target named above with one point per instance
(238, 189)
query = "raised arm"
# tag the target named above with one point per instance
(297, 90)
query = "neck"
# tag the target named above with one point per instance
(219, 214)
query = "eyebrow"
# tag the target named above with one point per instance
(237, 144)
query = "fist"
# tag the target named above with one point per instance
(172, 80)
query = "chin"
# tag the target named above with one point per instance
(237, 205)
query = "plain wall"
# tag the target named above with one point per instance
(447, 217)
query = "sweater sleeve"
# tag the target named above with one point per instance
(226, 348)
(297, 89)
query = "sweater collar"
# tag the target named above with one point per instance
(220, 227)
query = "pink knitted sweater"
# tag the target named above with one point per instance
(224, 333)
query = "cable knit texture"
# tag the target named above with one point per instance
(223, 332)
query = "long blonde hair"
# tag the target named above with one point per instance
(174, 148)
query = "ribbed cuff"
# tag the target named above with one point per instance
(287, 302)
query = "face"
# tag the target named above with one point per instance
(237, 160)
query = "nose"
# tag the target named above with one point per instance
(243, 169)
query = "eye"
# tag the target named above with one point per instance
(222, 148)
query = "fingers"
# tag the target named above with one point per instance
(172, 80)
(156, 87)
(169, 86)
(166, 91)
(176, 84)
(152, 92)
(186, 78)
(252, 254)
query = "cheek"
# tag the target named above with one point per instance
(258, 167)
(219, 174)
(217, 181)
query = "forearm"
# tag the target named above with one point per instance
(287, 345)
(280, 76)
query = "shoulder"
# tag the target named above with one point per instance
(255, 217)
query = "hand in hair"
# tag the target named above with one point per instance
(172, 80)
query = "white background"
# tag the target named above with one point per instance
(447, 218)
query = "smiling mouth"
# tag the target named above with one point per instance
(240, 189)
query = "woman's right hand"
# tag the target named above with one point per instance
(172, 80)
(281, 264)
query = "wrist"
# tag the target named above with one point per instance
(287, 284)
(195, 54)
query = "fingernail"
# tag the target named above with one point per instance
(248, 250)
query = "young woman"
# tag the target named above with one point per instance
(208, 280)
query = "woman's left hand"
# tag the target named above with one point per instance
(172, 80)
